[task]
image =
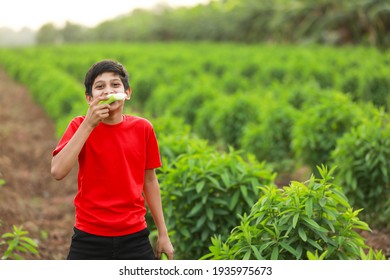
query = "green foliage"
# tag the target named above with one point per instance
(363, 159)
(256, 98)
(372, 255)
(203, 192)
(328, 22)
(377, 87)
(269, 138)
(296, 222)
(224, 118)
(317, 127)
(18, 243)
(187, 102)
(56, 91)
(175, 139)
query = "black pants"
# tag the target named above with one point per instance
(86, 246)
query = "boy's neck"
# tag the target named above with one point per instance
(113, 118)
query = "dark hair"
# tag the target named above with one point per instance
(104, 66)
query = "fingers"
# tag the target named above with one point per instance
(97, 112)
(170, 256)
(165, 255)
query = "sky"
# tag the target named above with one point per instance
(17, 14)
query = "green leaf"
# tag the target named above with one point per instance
(256, 252)
(295, 219)
(275, 253)
(309, 207)
(225, 179)
(30, 248)
(215, 183)
(195, 210)
(205, 235)
(29, 240)
(302, 234)
(314, 244)
(247, 255)
(7, 235)
(289, 248)
(313, 224)
(199, 186)
(209, 213)
(199, 223)
(212, 226)
(21, 249)
(234, 200)
(244, 191)
(340, 198)
(218, 201)
(322, 201)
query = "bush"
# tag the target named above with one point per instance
(318, 127)
(223, 120)
(175, 138)
(203, 192)
(363, 160)
(296, 222)
(188, 102)
(377, 89)
(269, 139)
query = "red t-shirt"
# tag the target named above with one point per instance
(112, 165)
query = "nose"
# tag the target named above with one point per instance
(108, 90)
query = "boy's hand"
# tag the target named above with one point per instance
(164, 245)
(97, 112)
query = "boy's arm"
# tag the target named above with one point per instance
(63, 162)
(153, 199)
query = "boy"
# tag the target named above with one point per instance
(117, 156)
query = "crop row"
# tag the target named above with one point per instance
(288, 106)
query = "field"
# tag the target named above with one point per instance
(287, 105)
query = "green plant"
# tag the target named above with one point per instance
(318, 126)
(175, 138)
(363, 160)
(204, 192)
(18, 242)
(269, 139)
(372, 255)
(296, 222)
(224, 118)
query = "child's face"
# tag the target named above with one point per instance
(108, 83)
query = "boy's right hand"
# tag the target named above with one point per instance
(97, 112)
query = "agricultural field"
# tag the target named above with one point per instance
(231, 118)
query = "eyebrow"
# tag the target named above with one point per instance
(103, 81)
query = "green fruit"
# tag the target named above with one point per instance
(113, 97)
(164, 256)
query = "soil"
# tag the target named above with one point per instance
(30, 197)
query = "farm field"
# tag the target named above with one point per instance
(209, 91)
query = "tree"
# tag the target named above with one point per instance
(73, 33)
(48, 34)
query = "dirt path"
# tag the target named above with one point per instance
(30, 196)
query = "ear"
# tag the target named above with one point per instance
(128, 93)
(88, 98)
